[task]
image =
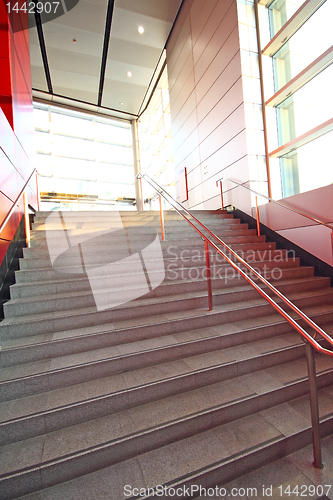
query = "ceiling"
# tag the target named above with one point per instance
(83, 57)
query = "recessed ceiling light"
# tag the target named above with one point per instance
(121, 104)
(129, 74)
(141, 29)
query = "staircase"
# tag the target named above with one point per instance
(116, 378)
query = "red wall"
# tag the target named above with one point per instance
(16, 121)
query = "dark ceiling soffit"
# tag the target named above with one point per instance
(71, 99)
(43, 51)
(160, 74)
(107, 34)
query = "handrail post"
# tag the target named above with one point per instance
(209, 281)
(142, 206)
(317, 460)
(258, 221)
(221, 192)
(26, 219)
(37, 192)
(161, 217)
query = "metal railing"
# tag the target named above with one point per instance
(311, 342)
(25, 204)
(240, 184)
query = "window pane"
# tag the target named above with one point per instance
(279, 13)
(113, 134)
(72, 147)
(71, 125)
(307, 168)
(114, 154)
(307, 108)
(41, 118)
(308, 43)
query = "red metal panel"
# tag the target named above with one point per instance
(7, 143)
(8, 177)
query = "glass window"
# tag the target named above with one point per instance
(308, 43)
(72, 125)
(73, 147)
(279, 13)
(307, 108)
(41, 118)
(308, 167)
(113, 134)
(114, 154)
(81, 154)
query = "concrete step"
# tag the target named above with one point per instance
(223, 271)
(168, 250)
(169, 224)
(164, 331)
(129, 236)
(222, 438)
(173, 258)
(106, 291)
(48, 322)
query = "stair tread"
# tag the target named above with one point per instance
(166, 283)
(181, 458)
(7, 344)
(113, 353)
(156, 300)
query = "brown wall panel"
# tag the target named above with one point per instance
(219, 64)
(207, 110)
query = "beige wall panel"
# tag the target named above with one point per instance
(183, 105)
(227, 155)
(216, 42)
(224, 133)
(185, 131)
(183, 115)
(193, 159)
(199, 17)
(177, 69)
(219, 88)
(211, 28)
(194, 178)
(213, 204)
(186, 148)
(223, 109)
(216, 68)
(195, 197)
(187, 80)
(179, 34)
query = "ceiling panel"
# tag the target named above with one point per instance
(133, 53)
(60, 36)
(125, 27)
(166, 10)
(74, 48)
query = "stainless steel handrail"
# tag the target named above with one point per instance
(311, 342)
(10, 213)
(275, 201)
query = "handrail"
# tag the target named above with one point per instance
(10, 213)
(253, 271)
(311, 342)
(276, 202)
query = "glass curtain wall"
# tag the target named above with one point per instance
(84, 158)
(300, 126)
(155, 139)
